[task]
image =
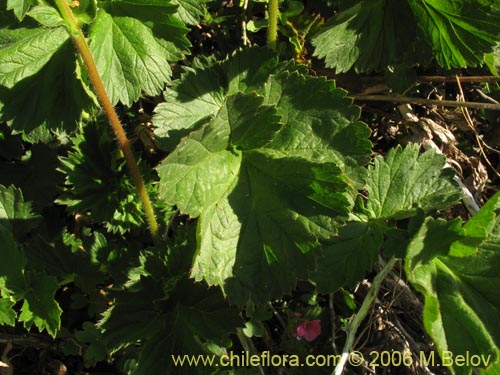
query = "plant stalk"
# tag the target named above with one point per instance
(272, 28)
(361, 315)
(248, 346)
(84, 51)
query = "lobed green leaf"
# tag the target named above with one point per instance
(7, 313)
(35, 104)
(460, 32)
(29, 55)
(20, 7)
(181, 318)
(46, 15)
(97, 182)
(39, 306)
(320, 123)
(349, 256)
(262, 171)
(405, 181)
(128, 58)
(12, 277)
(190, 11)
(15, 214)
(368, 36)
(375, 35)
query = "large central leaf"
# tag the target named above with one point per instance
(269, 160)
(261, 210)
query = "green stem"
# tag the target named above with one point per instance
(84, 51)
(272, 28)
(361, 315)
(248, 345)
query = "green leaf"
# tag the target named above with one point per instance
(259, 240)
(253, 328)
(267, 171)
(98, 183)
(7, 313)
(40, 307)
(316, 103)
(492, 60)
(251, 197)
(395, 242)
(61, 256)
(190, 11)
(12, 277)
(460, 31)
(16, 220)
(204, 158)
(10, 36)
(148, 11)
(493, 369)
(131, 318)
(484, 224)
(333, 130)
(182, 321)
(255, 25)
(96, 350)
(46, 15)
(171, 34)
(368, 36)
(20, 7)
(158, 15)
(202, 316)
(15, 214)
(405, 181)
(29, 55)
(349, 257)
(35, 104)
(197, 96)
(461, 289)
(248, 70)
(294, 8)
(372, 35)
(128, 57)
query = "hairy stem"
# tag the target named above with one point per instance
(272, 28)
(84, 51)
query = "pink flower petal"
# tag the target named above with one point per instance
(309, 329)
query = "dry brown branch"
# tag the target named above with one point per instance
(429, 102)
